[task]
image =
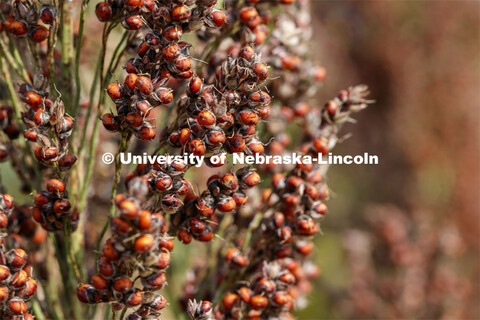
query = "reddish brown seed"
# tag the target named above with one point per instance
(307, 227)
(255, 147)
(130, 81)
(197, 147)
(218, 17)
(216, 137)
(134, 297)
(144, 243)
(144, 220)
(62, 206)
(331, 107)
(17, 306)
(99, 282)
(120, 226)
(301, 109)
(158, 303)
(236, 143)
(195, 85)
(55, 186)
(321, 146)
(285, 234)
(130, 66)
(171, 52)
(147, 133)
(287, 278)
(167, 243)
(261, 71)
(128, 209)
(265, 286)
(156, 281)
(229, 301)
(144, 84)
(184, 64)
(16, 258)
(305, 247)
(248, 53)
(281, 298)
(240, 198)
(229, 181)
(163, 183)
(245, 294)
(109, 122)
(103, 11)
(258, 302)
(134, 3)
(114, 91)
(39, 34)
(226, 205)
(4, 272)
(134, 120)
(110, 252)
(122, 285)
(248, 117)
(33, 99)
(67, 160)
(163, 260)
(197, 226)
(4, 153)
(248, 14)
(47, 15)
(165, 95)
(15, 27)
(3, 224)
(181, 13)
(173, 33)
(185, 136)
(84, 293)
(3, 294)
(320, 208)
(184, 236)
(105, 267)
(206, 118)
(132, 22)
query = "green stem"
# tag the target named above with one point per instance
(12, 61)
(51, 296)
(101, 100)
(78, 50)
(27, 152)
(118, 167)
(68, 243)
(122, 315)
(66, 23)
(52, 39)
(37, 310)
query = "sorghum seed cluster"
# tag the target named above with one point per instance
(27, 20)
(139, 247)
(52, 209)
(44, 116)
(16, 283)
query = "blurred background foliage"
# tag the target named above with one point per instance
(421, 62)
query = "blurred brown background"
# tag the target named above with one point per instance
(421, 61)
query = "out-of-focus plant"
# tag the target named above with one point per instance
(405, 267)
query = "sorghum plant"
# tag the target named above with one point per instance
(398, 286)
(191, 78)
